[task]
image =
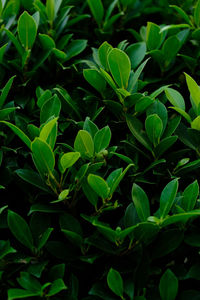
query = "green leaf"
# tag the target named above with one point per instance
(95, 78)
(175, 98)
(154, 128)
(165, 144)
(99, 185)
(143, 103)
(84, 144)
(120, 67)
(182, 13)
(66, 97)
(43, 157)
(5, 249)
(135, 127)
(197, 14)
(168, 286)
(75, 48)
(68, 160)
(117, 181)
(103, 52)
(44, 238)
(136, 53)
(33, 178)
(73, 237)
(27, 30)
(50, 9)
(167, 197)
(5, 91)
(51, 108)
(20, 294)
(5, 112)
(115, 282)
(180, 218)
(109, 79)
(153, 36)
(97, 10)
(194, 90)
(90, 127)
(15, 41)
(19, 133)
(141, 202)
(196, 123)
(29, 282)
(102, 139)
(190, 195)
(182, 113)
(57, 286)
(159, 109)
(47, 42)
(48, 132)
(170, 48)
(133, 80)
(20, 229)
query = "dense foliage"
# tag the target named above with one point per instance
(100, 149)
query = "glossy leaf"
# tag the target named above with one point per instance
(99, 185)
(95, 78)
(27, 30)
(84, 144)
(103, 52)
(167, 197)
(175, 98)
(154, 128)
(68, 160)
(190, 195)
(120, 67)
(141, 202)
(115, 282)
(97, 10)
(102, 139)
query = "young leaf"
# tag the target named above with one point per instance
(141, 202)
(97, 10)
(197, 14)
(190, 195)
(43, 157)
(175, 98)
(51, 108)
(99, 185)
(102, 139)
(20, 229)
(84, 144)
(167, 197)
(103, 52)
(154, 128)
(115, 282)
(48, 132)
(27, 30)
(168, 286)
(120, 67)
(196, 123)
(194, 90)
(50, 8)
(68, 160)
(57, 286)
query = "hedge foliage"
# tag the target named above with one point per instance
(100, 149)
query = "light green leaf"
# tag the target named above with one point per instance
(68, 160)
(175, 98)
(197, 14)
(48, 132)
(50, 9)
(182, 113)
(194, 90)
(84, 144)
(27, 30)
(103, 52)
(5, 91)
(153, 36)
(99, 185)
(120, 67)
